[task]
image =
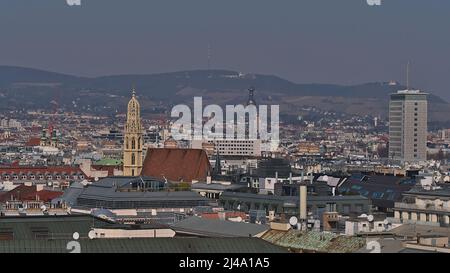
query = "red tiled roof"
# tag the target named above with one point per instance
(176, 164)
(34, 141)
(23, 193)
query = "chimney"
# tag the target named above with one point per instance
(39, 187)
(303, 204)
(222, 215)
(290, 178)
(208, 179)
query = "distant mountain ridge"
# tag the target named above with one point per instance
(28, 87)
(167, 84)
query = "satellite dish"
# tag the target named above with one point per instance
(293, 221)
(43, 208)
(370, 218)
(91, 234)
(386, 222)
(76, 235)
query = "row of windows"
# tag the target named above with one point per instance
(40, 177)
(133, 143)
(220, 142)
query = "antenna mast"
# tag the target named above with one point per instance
(209, 56)
(407, 76)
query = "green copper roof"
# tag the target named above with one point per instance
(109, 162)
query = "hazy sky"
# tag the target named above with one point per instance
(324, 41)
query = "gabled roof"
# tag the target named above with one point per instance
(176, 164)
(25, 193)
(34, 141)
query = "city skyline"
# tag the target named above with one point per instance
(229, 127)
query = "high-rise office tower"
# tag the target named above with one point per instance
(408, 126)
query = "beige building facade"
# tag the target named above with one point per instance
(408, 126)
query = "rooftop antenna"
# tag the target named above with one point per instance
(209, 56)
(407, 76)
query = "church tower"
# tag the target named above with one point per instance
(133, 140)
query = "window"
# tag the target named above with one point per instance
(6, 234)
(133, 159)
(133, 143)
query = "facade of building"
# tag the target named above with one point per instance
(30, 200)
(232, 147)
(133, 141)
(408, 126)
(52, 176)
(425, 206)
(49, 138)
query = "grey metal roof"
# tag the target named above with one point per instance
(145, 245)
(70, 195)
(217, 186)
(100, 193)
(106, 189)
(217, 228)
(411, 230)
(291, 198)
(442, 191)
(24, 227)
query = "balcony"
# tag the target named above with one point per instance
(428, 207)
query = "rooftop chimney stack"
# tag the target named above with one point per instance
(303, 204)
